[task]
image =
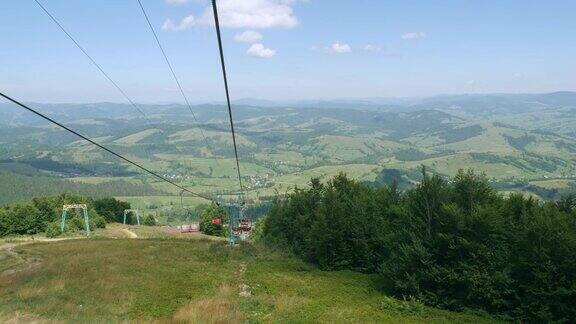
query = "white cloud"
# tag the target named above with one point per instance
(255, 14)
(186, 23)
(259, 50)
(372, 48)
(176, 2)
(413, 35)
(339, 48)
(248, 36)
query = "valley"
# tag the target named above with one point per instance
(522, 142)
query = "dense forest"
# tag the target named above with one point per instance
(20, 188)
(452, 243)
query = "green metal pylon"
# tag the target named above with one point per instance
(86, 222)
(135, 211)
(233, 211)
(65, 209)
(63, 220)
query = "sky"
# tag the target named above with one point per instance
(287, 49)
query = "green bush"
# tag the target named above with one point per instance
(21, 219)
(53, 229)
(454, 243)
(149, 220)
(257, 233)
(208, 214)
(76, 223)
(4, 222)
(405, 307)
(111, 209)
(36, 216)
(99, 222)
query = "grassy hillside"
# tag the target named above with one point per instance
(513, 138)
(191, 280)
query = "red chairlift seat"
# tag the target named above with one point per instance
(245, 225)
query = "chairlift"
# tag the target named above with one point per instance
(245, 225)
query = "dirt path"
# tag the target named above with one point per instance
(17, 262)
(24, 262)
(130, 233)
(10, 246)
(20, 262)
(244, 289)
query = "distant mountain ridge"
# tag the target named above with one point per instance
(527, 138)
(563, 98)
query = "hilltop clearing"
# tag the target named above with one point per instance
(192, 279)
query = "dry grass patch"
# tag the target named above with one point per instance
(21, 318)
(285, 303)
(30, 292)
(218, 309)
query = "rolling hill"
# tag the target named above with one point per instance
(514, 139)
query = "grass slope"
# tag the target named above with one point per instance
(192, 280)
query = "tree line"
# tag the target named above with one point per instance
(43, 215)
(452, 243)
(21, 188)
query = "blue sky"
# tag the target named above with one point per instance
(293, 49)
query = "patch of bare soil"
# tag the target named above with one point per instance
(22, 262)
(244, 289)
(130, 233)
(18, 318)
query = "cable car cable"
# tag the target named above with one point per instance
(98, 66)
(103, 147)
(217, 23)
(174, 75)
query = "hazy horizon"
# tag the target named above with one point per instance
(287, 50)
(302, 100)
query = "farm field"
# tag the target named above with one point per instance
(281, 148)
(190, 279)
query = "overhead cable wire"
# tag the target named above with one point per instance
(153, 173)
(216, 22)
(98, 66)
(102, 71)
(174, 74)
